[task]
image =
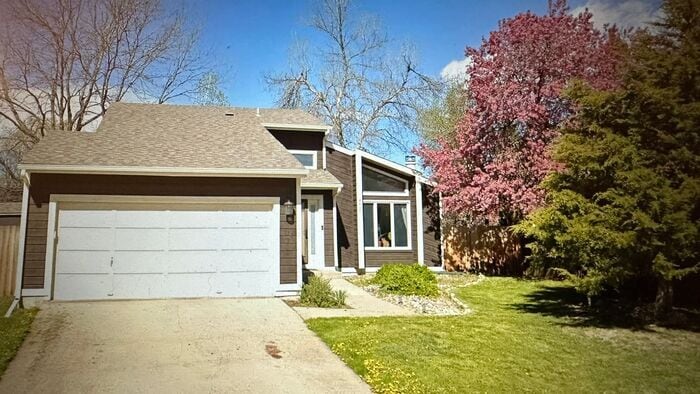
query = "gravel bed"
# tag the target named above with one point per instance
(445, 304)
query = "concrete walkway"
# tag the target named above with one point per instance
(175, 346)
(362, 303)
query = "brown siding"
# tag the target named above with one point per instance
(302, 140)
(432, 250)
(43, 185)
(342, 166)
(377, 258)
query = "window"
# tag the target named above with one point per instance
(307, 158)
(386, 225)
(377, 182)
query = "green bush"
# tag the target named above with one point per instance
(319, 293)
(406, 280)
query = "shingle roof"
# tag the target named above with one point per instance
(320, 177)
(175, 136)
(10, 208)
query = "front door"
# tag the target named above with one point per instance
(313, 231)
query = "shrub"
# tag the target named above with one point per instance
(319, 293)
(406, 280)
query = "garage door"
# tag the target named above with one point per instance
(157, 251)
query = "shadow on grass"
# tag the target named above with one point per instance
(570, 308)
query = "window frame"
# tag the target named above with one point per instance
(313, 153)
(405, 192)
(391, 204)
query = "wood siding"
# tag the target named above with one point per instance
(302, 140)
(9, 242)
(432, 249)
(43, 185)
(342, 166)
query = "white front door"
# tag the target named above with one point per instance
(314, 231)
(161, 251)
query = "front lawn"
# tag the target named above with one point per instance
(522, 336)
(12, 331)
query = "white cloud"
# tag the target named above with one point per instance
(624, 14)
(456, 70)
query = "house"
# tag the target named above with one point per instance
(189, 201)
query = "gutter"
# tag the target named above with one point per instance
(20, 249)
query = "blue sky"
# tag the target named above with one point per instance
(250, 38)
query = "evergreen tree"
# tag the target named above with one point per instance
(626, 205)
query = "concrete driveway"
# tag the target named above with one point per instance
(204, 345)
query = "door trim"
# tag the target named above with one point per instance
(321, 249)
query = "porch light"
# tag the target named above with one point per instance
(289, 208)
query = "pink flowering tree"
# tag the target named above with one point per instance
(492, 167)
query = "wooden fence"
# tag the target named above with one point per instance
(9, 240)
(491, 250)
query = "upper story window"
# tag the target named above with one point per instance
(380, 183)
(307, 158)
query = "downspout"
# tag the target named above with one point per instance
(22, 236)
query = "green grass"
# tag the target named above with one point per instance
(12, 331)
(522, 336)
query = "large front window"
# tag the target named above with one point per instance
(386, 224)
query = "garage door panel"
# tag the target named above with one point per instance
(246, 219)
(82, 262)
(194, 219)
(245, 260)
(136, 219)
(85, 239)
(244, 238)
(192, 261)
(247, 284)
(85, 218)
(139, 262)
(192, 285)
(141, 239)
(154, 250)
(140, 286)
(82, 286)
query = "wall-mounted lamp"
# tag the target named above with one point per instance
(289, 208)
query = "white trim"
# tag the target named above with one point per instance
(419, 221)
(298, 219)
(287, 293)
(359, 213)
(324, 151)
(296, 127)
(386, 163)
(437, 269)
(388, 175)
(20, 248)
(348, 270)
(35, 293)
(391, 203)
(323, 186)
(165, 171)
(319, 199)
(276, 252)
(50, 248)
(340, 148)
(335, 232)
(313, 154)
(162, 199)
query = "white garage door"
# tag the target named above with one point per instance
(157, 251)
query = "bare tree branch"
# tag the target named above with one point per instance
(370, 98)
(63, 62)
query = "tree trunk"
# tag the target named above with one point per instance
(664, 299)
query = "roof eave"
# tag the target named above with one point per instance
(165, 171)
